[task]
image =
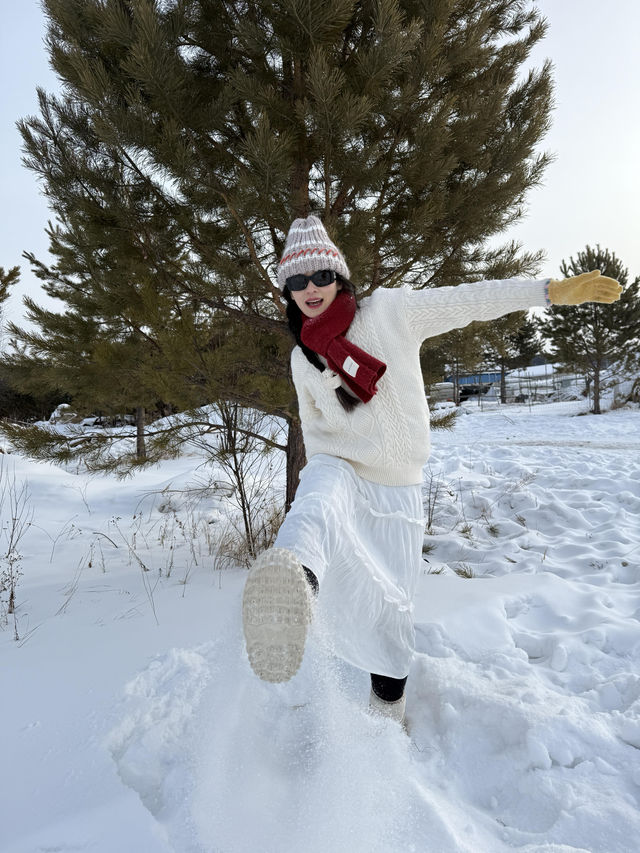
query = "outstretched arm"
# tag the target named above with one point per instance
(433, 311)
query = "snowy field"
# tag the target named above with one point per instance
(131, 722)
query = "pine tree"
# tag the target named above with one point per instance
(509, 342)
(7, 280)
(433, 363)
(590, 337)
(13, 405)
(462, 349)
(192, 132)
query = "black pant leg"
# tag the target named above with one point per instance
(313, 580)
(388, 689)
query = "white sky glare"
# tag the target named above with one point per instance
(591, 191)
(590, 194)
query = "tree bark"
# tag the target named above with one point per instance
(503, 382)
(596, 391)
(296, 459)
(302, 165)
(141, 450)
(456, 383)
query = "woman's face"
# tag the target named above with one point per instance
(314, 300)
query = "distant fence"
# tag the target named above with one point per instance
(550, 387)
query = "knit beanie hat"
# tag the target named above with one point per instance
(307, 249)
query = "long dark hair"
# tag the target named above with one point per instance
(295, 318)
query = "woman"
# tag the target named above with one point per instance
(354, 534)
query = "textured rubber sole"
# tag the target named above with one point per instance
(276, 612)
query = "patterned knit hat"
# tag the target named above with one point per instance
(307, 249)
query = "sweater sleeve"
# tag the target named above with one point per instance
(436, 310)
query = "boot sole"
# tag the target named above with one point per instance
(276, 612)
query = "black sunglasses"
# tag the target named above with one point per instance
(321, 279)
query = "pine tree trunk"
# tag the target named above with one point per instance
(141, 451)
(296, 456)
(301, 165)
(456, 383)
(503, 382)
(295, 460)
(596, 391)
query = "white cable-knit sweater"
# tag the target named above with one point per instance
(387, 440)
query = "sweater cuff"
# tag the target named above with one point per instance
(537, 292)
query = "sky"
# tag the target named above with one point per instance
(589, 195)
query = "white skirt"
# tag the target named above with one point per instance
(363, 541)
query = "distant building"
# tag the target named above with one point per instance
(476, 379)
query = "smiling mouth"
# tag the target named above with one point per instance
(314, 303)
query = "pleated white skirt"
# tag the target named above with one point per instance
(363, 541)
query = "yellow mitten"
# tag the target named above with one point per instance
(587, 287)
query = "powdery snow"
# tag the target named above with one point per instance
(132, 722)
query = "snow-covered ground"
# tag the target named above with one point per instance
(131, 722)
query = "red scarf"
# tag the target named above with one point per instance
(324, 334)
